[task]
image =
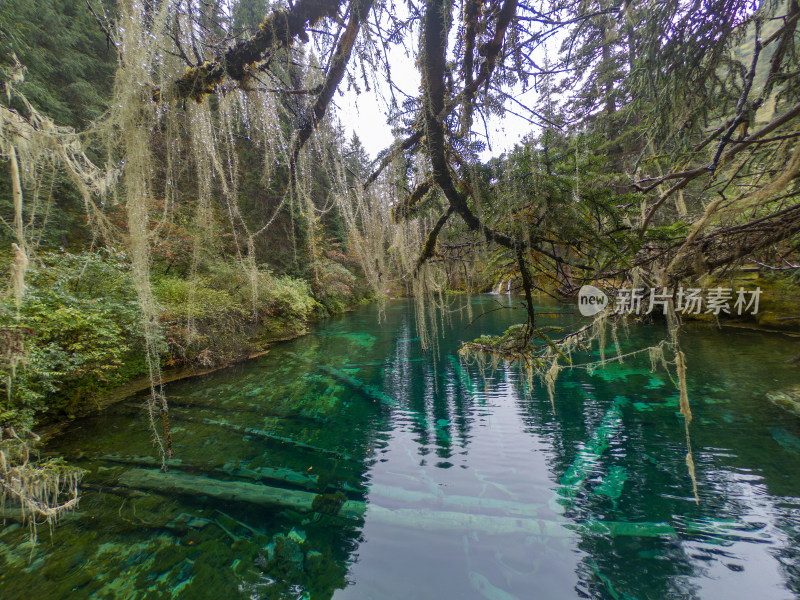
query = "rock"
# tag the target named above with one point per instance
(297, 536)
(788, 399)
(287, 557)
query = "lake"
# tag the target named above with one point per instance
(350, 464)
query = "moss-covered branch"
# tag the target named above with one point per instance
(466, 97)
(404, 209)
(430, 243)
(337, 70)
(276, 30)
(435, 45)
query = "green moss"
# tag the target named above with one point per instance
(166, 558)
(778, 303)
(328, 504)
(286, 558)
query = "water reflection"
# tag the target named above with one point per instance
(473, 485)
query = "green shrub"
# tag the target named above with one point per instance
(201, 324)
(81, 331)
(214, 319)
(334, 286)
(286, 301)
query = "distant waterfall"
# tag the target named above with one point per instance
(503, 287)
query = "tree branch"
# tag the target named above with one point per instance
(403, 210)
(687, 176)
(337, 69)
(276, 30)
(430, 243)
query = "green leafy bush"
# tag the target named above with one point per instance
(287, 301)
(217, 318)
(80, 333)
(334, 286)
(201, 324)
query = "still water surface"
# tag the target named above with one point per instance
(457, 484)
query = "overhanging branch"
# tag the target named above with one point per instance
(278, 29)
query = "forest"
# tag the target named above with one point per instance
(180, 191)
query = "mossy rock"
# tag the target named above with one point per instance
(215, 553)
(328, 504)
(212, 583)
(286, 559)
(315, 563)
(788, 399)
(773, 319)
(193, 538)
(245, 549)
(325, 574)
(778, 306)
(166, 558)
(213, 576)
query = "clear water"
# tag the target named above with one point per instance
(475, 488)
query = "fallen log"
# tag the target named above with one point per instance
(8, 513)
(462, 375)
(237, 491)
(188, 408)
(467, 503)
(437, 520)
(573, 480)
(281, 476)
(269, 475)
(278, 439)
(370, 391)
(787, 399)
(411, 518)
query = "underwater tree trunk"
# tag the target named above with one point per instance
(237, 491)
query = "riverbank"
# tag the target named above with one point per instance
(51, 425)
(76, 339)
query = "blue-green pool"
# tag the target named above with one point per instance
(449, 482)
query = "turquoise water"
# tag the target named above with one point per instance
(449, 482)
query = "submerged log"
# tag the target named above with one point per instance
(787, 399)
(438, 520)
(237, 491)
(462, 375)
(271, 475)
(10, 513)
(189, 407)
(466, 503)
(574, 479)
(370, 391)
(411, 518)
(278, 439)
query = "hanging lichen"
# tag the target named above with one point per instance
(550, 381)
(686, 411)
(39, 491)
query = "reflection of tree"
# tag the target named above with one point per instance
(648, 447)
